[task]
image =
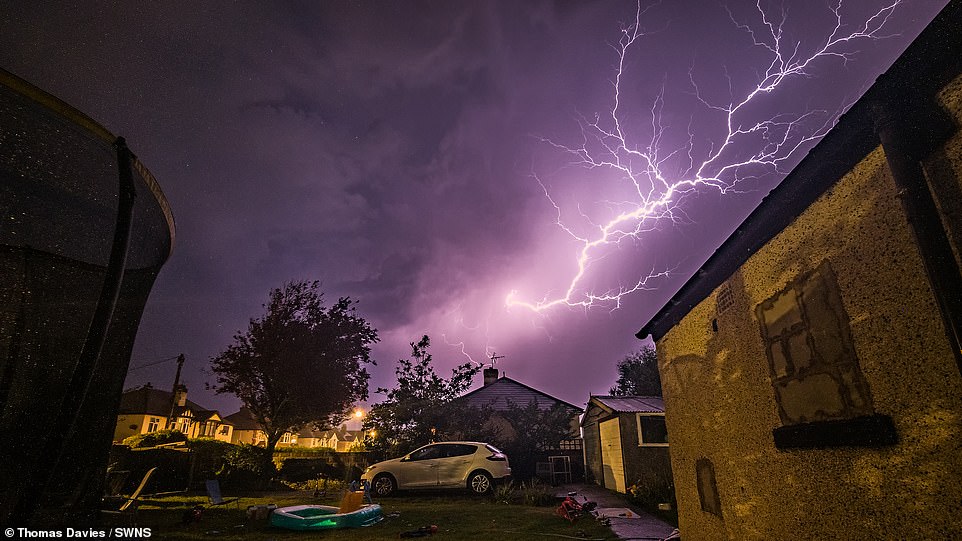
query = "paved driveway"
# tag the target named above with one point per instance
(644, 527)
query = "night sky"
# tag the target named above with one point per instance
(407, 154)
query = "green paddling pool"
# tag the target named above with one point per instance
(324, 517)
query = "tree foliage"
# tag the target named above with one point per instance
(413, 412)
(299, 363)
(638, 374)
(533, 432)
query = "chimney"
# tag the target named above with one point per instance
(490, 375)
(180, 395)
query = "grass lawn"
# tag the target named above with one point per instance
(459, 516)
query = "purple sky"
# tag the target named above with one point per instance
(393, 150)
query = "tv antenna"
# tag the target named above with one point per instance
(494, 357)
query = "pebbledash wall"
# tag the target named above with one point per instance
(812, 380)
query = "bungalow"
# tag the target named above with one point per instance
(501, 393)
(626, 443)
(812, 369)
(246, 429)
(144, 410)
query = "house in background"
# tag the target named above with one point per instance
(144, 410)
(500, 393)
(812, 368)
(626, 443)
(246, 430)
(341, 439)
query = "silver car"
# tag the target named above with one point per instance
(451, 464)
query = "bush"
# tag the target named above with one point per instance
(139, 441)
(536, 493)
(209, 458)
(247, 467)
(505, 493)
(304, 469)
(649, 494)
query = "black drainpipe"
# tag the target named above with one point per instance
(908, 134)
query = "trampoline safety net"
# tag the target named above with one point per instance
(77, 260)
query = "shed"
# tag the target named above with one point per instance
(626, 444)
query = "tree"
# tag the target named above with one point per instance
(299, 363)
(638, 374)
(413, 412)
(533, 431)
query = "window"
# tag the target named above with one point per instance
(652, 431)
(707, 487)
(426, 453)
(570, 445)
(224, 430)
(458, 449)
(152, 424)
(286, 437)
(814, 370)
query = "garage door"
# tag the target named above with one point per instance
(612, 462)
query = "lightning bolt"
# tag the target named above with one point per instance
(747, 149)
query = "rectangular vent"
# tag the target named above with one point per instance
(725, 298)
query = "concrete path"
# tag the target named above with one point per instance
(646, 527)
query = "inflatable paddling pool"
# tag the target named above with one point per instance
(324, 517)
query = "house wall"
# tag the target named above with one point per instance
(251, 437)
(140, 423)
(721, 403)
(591, 436)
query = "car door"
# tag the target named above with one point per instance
(457, 458)
(420, 468)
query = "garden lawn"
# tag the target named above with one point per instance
(458, 516)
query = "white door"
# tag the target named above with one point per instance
(612, 462)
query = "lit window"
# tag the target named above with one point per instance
(652, 431)
(152, 424)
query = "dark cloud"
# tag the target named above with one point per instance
(389, 150)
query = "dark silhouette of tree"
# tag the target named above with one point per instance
(638, 374)
(530, 432)
(299, 363)
(414, 411)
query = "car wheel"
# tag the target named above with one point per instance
(480, 483)
(383, 485)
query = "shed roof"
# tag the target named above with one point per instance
(926, 66)
(631, 404)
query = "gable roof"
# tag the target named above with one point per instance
(926, 66)
(243, 420)
(149, 401)
(309, 431)
(504, 391)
